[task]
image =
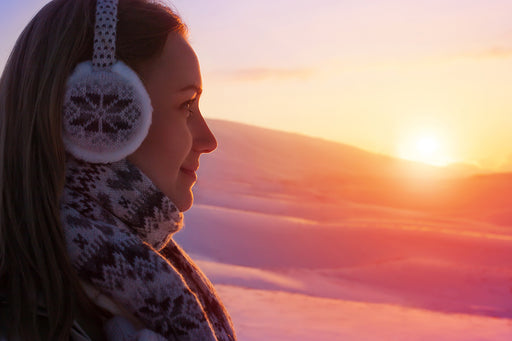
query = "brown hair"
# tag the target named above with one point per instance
(34, 265)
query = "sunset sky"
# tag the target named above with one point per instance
(425, 80)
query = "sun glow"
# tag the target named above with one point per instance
(427, 148)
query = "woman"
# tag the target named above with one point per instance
(86, 219)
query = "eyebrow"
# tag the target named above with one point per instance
(196, 88)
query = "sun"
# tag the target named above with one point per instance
(425, 148)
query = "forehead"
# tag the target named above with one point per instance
(178, 65)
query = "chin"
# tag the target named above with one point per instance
(184, 202)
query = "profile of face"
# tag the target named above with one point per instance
(178, 135)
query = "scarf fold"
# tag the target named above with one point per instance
(118, 228)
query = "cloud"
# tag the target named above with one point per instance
(495, 52)
(262, 74)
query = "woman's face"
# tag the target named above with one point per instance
(178, 135)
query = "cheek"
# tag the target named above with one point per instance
(169, 146)
(162, 153)
(175, 184)
(177, 140)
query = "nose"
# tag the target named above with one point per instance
(204, 140)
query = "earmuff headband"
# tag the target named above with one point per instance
(105, 34)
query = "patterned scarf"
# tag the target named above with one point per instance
(118, 228)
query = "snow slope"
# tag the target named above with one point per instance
(270, 315)
(307, 241)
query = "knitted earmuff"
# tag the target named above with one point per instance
(107, 110)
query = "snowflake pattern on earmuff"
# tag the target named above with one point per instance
(101, 112)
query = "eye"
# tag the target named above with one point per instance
(189, 106)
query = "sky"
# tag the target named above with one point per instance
(422, 80)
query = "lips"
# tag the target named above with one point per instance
(189, 172)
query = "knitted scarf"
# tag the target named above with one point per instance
(118, 228)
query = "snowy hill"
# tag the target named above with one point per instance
(269, 162)
(312, 240)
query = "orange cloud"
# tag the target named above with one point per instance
(496, 52)
(262, 74)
